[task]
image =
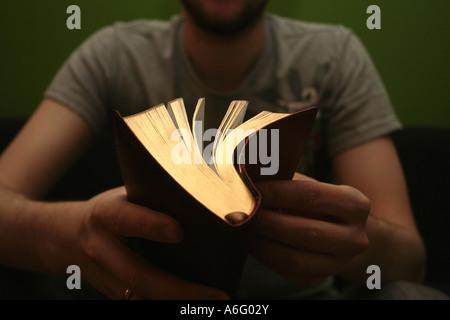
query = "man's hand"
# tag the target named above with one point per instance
(49, 236)
(112, 267)
(307, 230)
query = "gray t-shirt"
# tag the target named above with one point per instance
(133, 66)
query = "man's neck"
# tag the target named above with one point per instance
(222, 63)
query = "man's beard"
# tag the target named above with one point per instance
(247, 17)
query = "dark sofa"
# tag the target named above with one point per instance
(425, 155)
(424, 152)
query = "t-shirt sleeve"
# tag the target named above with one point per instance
(361, 108)
(84, 81)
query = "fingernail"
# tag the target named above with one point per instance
(236, 218)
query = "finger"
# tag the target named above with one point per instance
(106, 283)
(300, 267)
(137, 274)
(116, 214)
(341, 202)
(110, 286)
(311, 234)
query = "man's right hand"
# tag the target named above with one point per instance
(48, 237)
(112, 267)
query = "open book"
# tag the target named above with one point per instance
(172, 165)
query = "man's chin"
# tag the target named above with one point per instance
(225, 18)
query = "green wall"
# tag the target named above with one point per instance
(411, 51)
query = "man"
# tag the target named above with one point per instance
(220, 50)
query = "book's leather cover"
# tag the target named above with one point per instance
(213, 252)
